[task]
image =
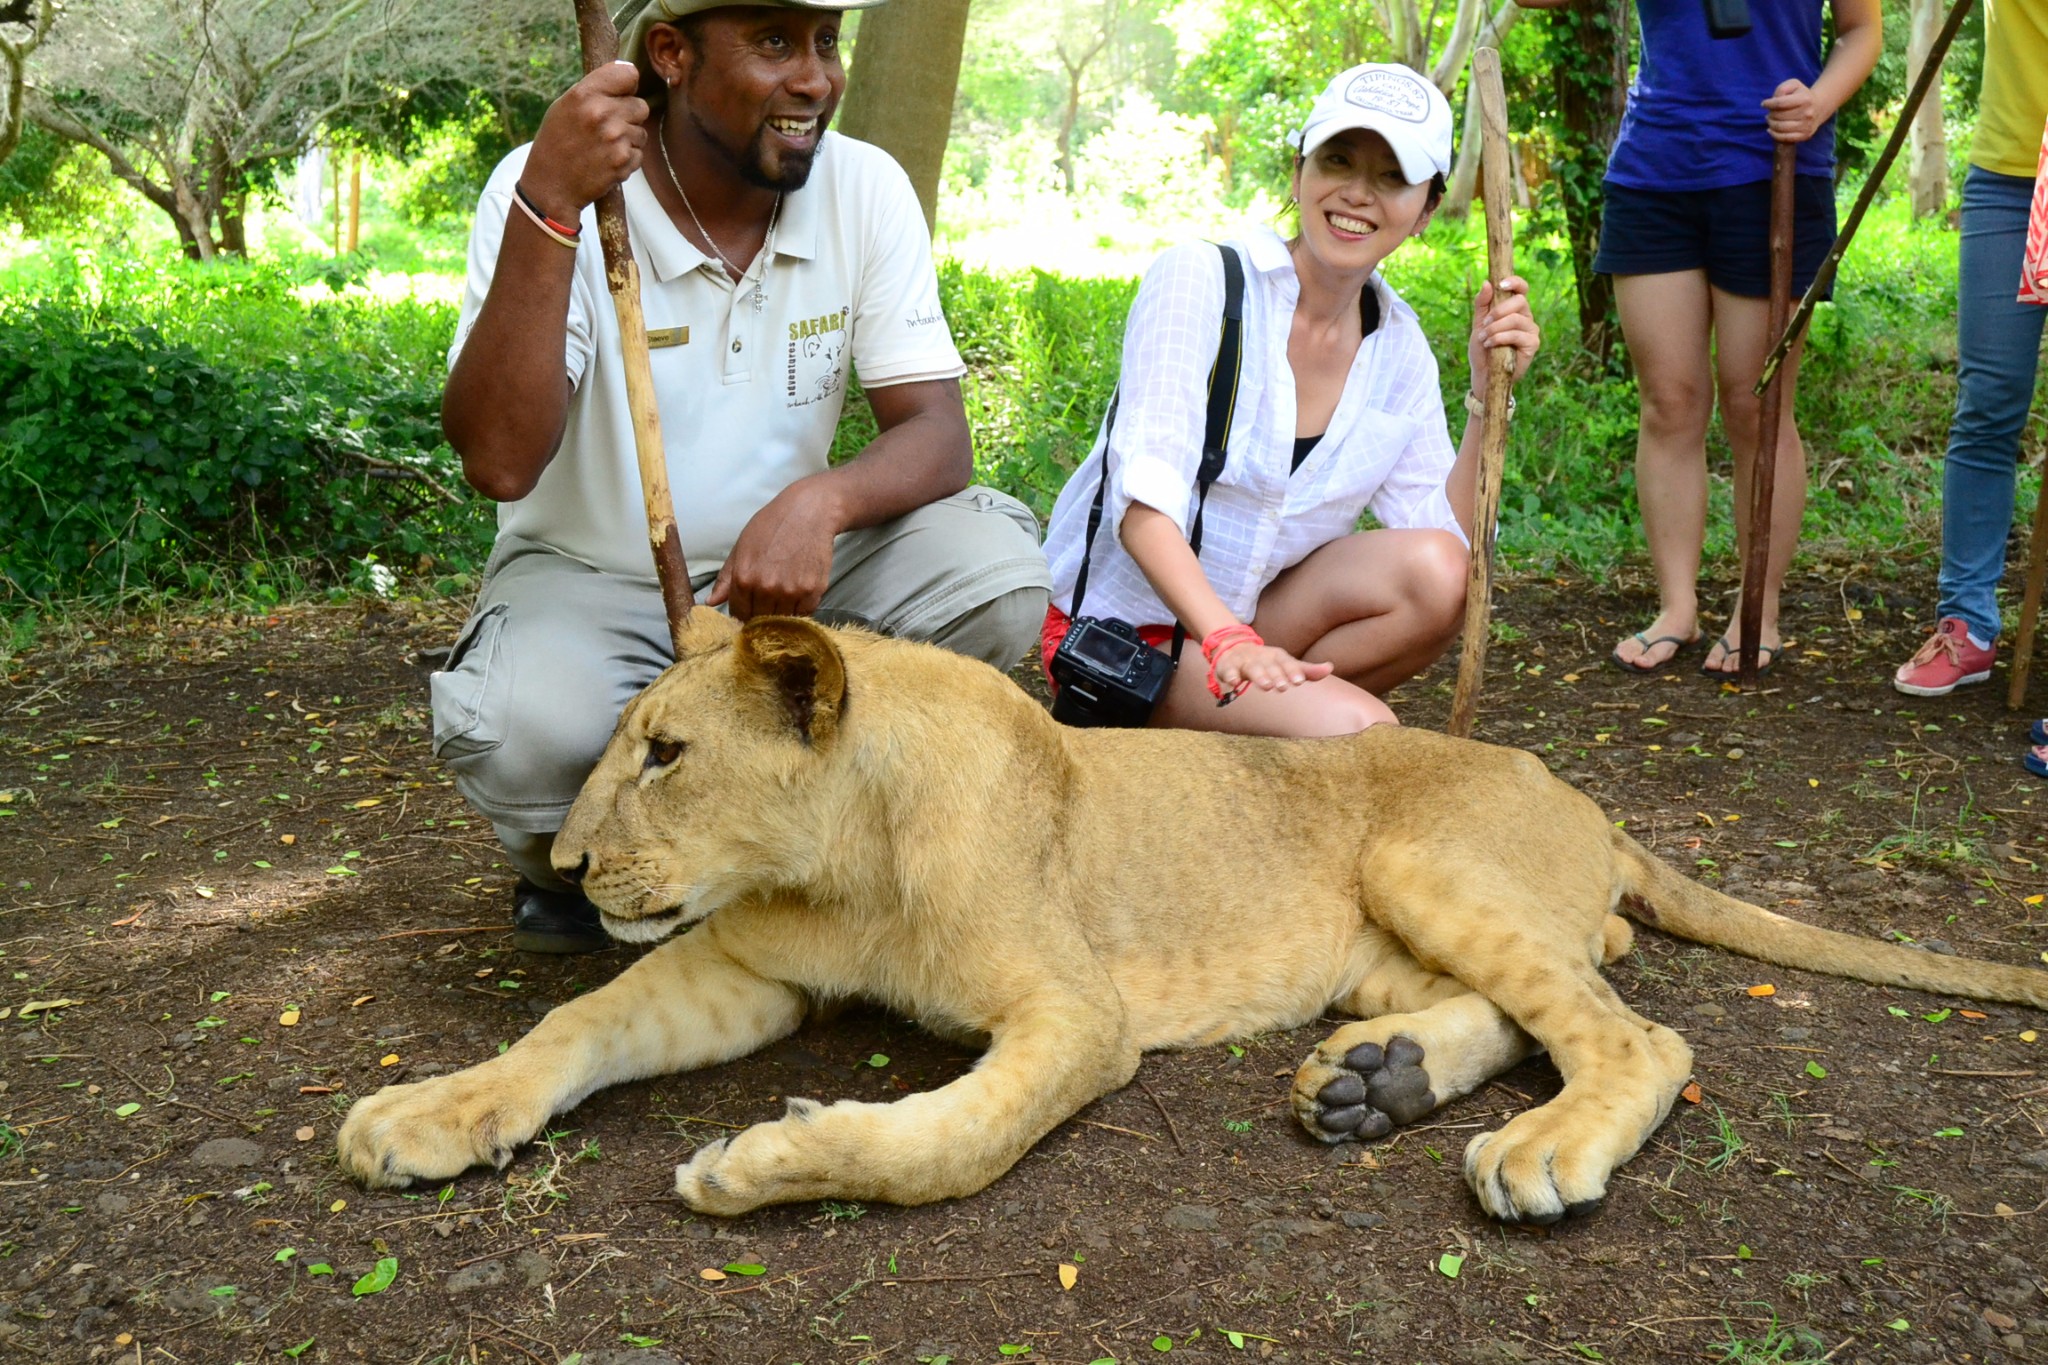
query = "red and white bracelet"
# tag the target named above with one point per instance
(564, 233)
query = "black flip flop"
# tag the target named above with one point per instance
(1647, 670)
(1766, 655)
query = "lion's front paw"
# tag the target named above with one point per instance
(432, 1130)
(1364, 1094)
(1537, 1169)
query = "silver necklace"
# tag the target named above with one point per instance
(732, 271)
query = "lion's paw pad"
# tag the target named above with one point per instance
(1377, 1089)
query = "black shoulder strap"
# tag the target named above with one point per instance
(1224, 375)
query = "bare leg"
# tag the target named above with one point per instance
(1665, 319)
(1741, 340)
(1379, 605)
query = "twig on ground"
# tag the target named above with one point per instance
(1171, 1126)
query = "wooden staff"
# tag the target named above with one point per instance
(2030, 605)
(622, 277)
(1493, 430)
(1763, 471)
(1826, 275)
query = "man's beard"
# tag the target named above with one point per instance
(750, 163)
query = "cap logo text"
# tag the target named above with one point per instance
(1390, 92)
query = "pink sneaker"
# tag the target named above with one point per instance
(1947, 661)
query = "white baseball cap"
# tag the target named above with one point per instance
(1392, 100)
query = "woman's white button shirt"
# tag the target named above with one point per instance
(1387, 446)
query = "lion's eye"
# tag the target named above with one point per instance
(662, 752)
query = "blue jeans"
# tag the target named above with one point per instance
(1999, 347)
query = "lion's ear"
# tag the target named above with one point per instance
(798, 662)
(705, 628)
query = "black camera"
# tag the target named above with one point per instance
(1107, 675)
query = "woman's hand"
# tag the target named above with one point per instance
(1266, 667)
(591, 139)
(1501, 317)
(1794, 115)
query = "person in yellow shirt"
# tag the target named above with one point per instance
(1998, 341)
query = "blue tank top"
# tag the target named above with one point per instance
(1695, 117)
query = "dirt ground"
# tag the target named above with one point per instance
(239, 892)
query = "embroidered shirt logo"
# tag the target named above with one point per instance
(1390, 92)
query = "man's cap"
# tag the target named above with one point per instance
(1392, 100)
(635, 17)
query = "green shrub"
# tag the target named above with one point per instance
(160, 424)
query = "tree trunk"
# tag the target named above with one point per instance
(355, 203)
(1587, 45)
(906, 66)
(1069, 117)
(1927, 157)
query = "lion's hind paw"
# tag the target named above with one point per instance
(1371, 1091)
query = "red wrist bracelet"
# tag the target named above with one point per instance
(1215, 643)
(569, 230)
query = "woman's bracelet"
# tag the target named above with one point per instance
(1477, 408)
(1215, 643)
(560, 232)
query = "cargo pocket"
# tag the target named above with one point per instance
(468, 694)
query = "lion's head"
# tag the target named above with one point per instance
(712, 777)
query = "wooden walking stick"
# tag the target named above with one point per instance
(622, 278)
(1826, 275)
(2030, 605)
(1763, 471)
(1493, 430)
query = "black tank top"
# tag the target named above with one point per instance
(1369, 314)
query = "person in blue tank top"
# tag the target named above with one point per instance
(1686, 235)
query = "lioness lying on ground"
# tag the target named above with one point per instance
(843, 816)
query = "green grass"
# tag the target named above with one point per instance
(363, 342)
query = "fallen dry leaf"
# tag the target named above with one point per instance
(304, 1134)
(2029, 1036)
(1692, 1094)
(337, 1206)
(388, 1059)
(2005, 1210)
(1069, 1275)
(316, 1090)
(42, 1006)
(1972, 1014)
(287, 838)
(360, 1001)
(1761, 991)
(707, 1273)
(290, 1018)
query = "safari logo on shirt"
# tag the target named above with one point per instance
(816, 348)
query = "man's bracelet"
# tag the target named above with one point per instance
(1478, 409)
(560, 232)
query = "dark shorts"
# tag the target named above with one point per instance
(1725, 232)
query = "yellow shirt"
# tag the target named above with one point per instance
(2015, 98)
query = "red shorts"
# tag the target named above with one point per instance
(1058, 623)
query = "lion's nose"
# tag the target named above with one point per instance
(574, 875)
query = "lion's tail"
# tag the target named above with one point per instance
(1657, 895)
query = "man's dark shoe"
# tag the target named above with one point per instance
(545, 921)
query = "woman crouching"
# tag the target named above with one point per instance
(1304, 621)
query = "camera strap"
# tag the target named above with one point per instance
(1224, 375)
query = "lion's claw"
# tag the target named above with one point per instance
(1373, 1091)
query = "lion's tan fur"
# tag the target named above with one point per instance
(852, 816)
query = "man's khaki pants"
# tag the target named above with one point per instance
(555, 649)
